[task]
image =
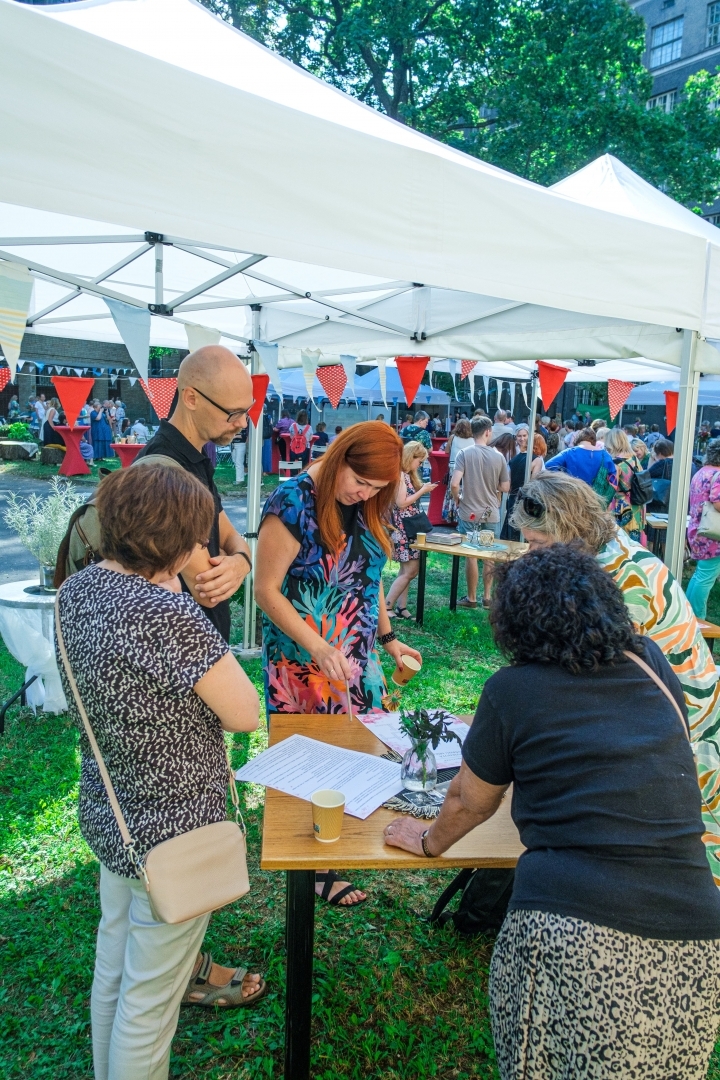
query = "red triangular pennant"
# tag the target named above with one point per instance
(333, 380)
(551, 379)
(260, 384)
(411, 370)
(466, 366)
(671, 408)
(161, 393)
(73, 393)
(618, 393)
(4, 377)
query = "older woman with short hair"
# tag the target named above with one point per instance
(557, 508)
(608, 961)
(704, 488)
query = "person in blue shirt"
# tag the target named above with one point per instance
(584, 460)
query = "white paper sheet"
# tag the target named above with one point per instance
(299, 766)
(386, 726)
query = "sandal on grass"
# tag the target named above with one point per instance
(403, 613)
(231, 993)
(330, 878)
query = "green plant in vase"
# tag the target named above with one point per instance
(427, 731)
(41, 524)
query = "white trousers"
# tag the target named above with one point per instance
(141, 970)
(238, 456)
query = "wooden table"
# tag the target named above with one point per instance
(513, 550)
(658, 523)
(288, 844)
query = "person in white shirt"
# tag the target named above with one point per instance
(499, 427)
(41, 409)
(139, 430)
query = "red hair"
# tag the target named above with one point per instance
(374, 452)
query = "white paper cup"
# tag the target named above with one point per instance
(328, 808)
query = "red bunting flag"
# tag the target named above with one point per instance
(333, 380)
(466, 366)
(671, 408)
(73, 393)
(411, 370)
(551, 379)
(618, 393)
(161, 393)
(4, 377)
(260, 385)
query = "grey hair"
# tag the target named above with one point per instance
(712, 454)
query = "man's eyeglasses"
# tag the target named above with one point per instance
(232, 414)
(532, 507)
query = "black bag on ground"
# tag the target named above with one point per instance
(484, 902)
(416, 524)
(641, 488)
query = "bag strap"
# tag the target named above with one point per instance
(659, 683)
(456, 885)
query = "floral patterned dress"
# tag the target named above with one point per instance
(704, 487)
(338, 597)
(629, 517)
(402, 552)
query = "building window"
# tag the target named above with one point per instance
(714, 219)
(713, 24)
(666, 42)
(665, 101)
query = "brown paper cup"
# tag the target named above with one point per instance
(421, 538)
(404, 672)
(328, 808)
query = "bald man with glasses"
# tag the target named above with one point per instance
(214, 396)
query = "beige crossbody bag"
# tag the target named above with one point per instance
(188, 875)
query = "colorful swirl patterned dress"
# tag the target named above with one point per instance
(338, 597)
(658, 607)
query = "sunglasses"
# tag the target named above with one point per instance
(232, 414)
(532, 507)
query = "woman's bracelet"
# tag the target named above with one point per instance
(385, 639)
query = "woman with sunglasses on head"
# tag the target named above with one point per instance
(608, 961)
(324, 540)
(557, 508)
(214, 396)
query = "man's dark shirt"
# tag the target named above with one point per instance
(172, 443)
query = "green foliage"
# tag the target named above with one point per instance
(41, 523)
(539, 87)
(18, 432)
(425, 729)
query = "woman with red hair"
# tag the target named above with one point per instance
(323, 543)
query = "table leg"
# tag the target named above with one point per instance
(20, 694)
(421, 589)
(299, 939)
(454, 574)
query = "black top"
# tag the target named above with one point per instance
(172, 443)
(605, 796)
(321, 438)
(136, 652)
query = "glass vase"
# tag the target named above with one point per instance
(419, 769)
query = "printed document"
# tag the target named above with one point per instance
(300, 766)
(386, 727)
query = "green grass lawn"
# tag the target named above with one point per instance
(392, 998)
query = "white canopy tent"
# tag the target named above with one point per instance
(653, 393)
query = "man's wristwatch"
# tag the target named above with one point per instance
(423, 841)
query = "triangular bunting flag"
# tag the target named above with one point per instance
(348, 363)
(411, 370)
(618, 393)
(466, 366)
(260, 385)
(16, 286)
(269, 358)
(551, 379)
(198, 335)
(133, 326)
(132, 380)
(382, 374)
(671, 408)
(453, 368)
(161, 393)
(73, 394)
(333, 380)
(523, 387)
(310, 360)
(486, 383)
(4, 377)
(513, 387)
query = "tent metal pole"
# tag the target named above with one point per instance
(254, 482)
(159, 290)
(531, 425)
(684, 439)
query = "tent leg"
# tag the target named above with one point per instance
(531, 425)
(684, 439)
(254, 481)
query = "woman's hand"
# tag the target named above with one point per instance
(405, 833)
(427, 487)
(397, 650)
(333, 663)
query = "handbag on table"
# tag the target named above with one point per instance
(188, 875)
(418, 523)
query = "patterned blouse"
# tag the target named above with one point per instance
(658, 608)
(629, 517)
(338, 597)
(704, 487)
(136, 652)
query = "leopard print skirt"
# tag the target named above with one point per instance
(572, 1000)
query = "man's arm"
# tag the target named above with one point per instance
(455, 485)
(212, 579)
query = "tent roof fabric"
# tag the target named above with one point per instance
(652, 393)
(154, 114)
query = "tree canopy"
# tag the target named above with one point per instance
(539, 87)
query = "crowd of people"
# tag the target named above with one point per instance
(608, 962)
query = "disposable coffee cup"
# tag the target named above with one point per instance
(328, 808)
(421, 538)
(406, 670)
(486, 537)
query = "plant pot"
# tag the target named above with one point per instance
(419, 769)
